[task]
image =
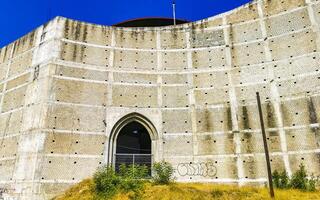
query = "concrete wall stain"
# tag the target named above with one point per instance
(271, 123)
(208, 123)
(312, 112)
(245, 118)
(67, 28)
(5, 52)
(229, 119)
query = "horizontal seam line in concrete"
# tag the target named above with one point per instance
(70, 155)
(182, 71)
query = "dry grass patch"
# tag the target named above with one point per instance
(191, 191)
(82, 191)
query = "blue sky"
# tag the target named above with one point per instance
(18, 17)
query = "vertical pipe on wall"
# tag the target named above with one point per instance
(265, 144)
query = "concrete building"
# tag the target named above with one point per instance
(70, 90)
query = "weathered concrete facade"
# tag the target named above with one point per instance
(65, 86)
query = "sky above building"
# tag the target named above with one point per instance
(18, 17)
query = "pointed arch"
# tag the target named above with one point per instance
(132, 117)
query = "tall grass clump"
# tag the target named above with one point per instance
(281, 179)
(162, 173)
(299, 180)
(106, 182)
(129, 179)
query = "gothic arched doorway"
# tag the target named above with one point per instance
(133, 146)
(132, 141)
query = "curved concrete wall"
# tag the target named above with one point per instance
(195, 82)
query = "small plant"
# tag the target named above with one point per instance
(299, 180)
(162, 172)
(280, 180)
(133, 171)
(106, 182)
(129, 179)
(312, 186)
(132, 177)
(276, 178)
(284, 180)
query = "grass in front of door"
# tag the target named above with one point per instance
(186, 191)
(130, 183)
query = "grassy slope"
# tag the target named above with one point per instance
(184, 191)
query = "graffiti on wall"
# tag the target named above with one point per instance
(204, 169)
(2, 191)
